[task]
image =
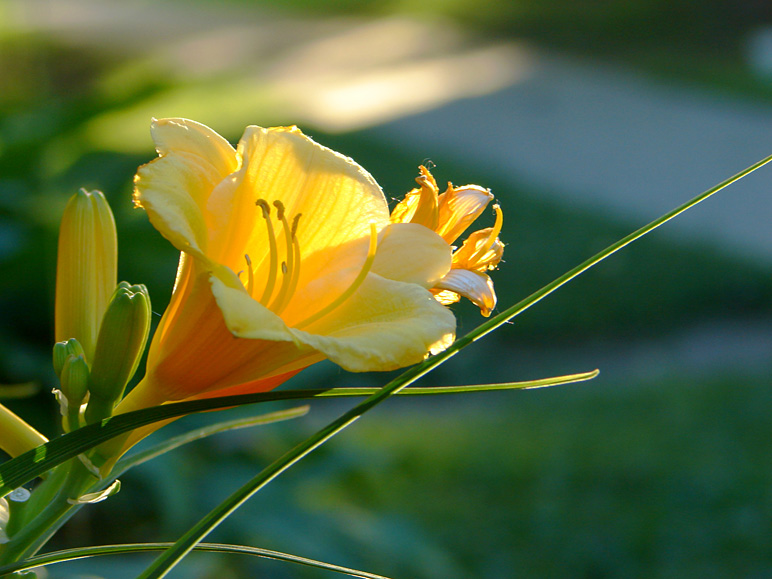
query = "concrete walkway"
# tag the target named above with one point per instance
(585, 133)
(607, 139)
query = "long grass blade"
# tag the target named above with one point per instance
(169, 558)
(34, 463)
(137, 458)
(97, 551)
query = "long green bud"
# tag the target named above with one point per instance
(119, 348)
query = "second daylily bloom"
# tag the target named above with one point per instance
(450, 214)
(288, 257)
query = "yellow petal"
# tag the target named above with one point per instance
(419, 205)
(335, 197)
(386, 325)
(411, 253)
(459, 207)
(479, 253)
(196, 352)
(477, 287)
(174, 188)
(189, 138)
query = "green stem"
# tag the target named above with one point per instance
(49, 509)
(169, 558)
(97, 551)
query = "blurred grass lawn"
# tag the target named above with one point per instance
(660, 479)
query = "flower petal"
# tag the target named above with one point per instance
(479, 252)
(459, 207)
(326, 199)
(173, 188)
(419, 205)
(182, 136)
(411, 253)
(336, 198)
(477, 287)
(385, 325)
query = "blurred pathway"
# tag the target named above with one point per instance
(582, 132)
(607, 139)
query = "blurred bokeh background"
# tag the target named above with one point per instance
(587, 120)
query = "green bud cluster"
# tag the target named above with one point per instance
(72, 369)
(119, 347)
(120, 344)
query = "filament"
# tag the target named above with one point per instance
(250, 275)
(491, 238)
(274, 252)
(287, 266)
(354, 285)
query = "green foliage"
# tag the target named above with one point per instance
(605, 479)
(659, 480)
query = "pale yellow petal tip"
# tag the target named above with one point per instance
(442, 344)
(476, 287)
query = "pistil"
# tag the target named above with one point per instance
(480, 253)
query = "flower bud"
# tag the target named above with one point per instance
(119, 348)
(63, 350)
(86, 268)
(74, 380)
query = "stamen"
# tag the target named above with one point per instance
(287, 266)
(294, 272)
(274, 252)
(353, 287)
(478, 255)
(250, 275)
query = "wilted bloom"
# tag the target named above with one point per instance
(450, 214)
(288, 257)
(86, 269)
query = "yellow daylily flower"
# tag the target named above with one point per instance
(288, 257)
(450, 214)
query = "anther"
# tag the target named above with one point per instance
(273, 253)
(263, 204)
(281, 299)
(279, 209)
(295, 222)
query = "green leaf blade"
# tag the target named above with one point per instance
(123, 549)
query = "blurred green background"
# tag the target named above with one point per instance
(658, 468)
